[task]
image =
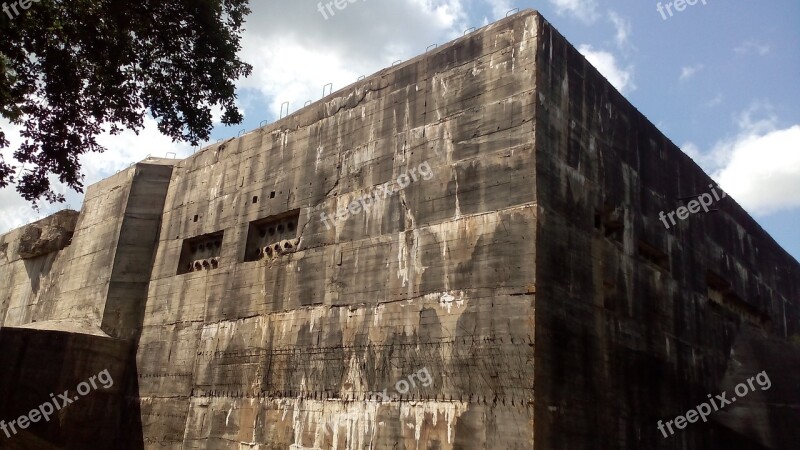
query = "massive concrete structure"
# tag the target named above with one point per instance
(511, 288)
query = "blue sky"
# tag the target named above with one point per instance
(721, 80)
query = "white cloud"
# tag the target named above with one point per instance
(690, 71)
(606, 63)
(623, 29)
(716, 101)
(752, 47)
(121, 151)
(14, 211)
(584, 10)
(693, 151)
(127, 148)
(295, 51)
(499, 8)
(760, 165)
(763, 170)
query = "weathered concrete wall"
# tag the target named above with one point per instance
(135, 251)
(102, 272)
(291, 351)
(74, 285)
(627, 333)
(73, 307)
(37, 363)
(26, 258)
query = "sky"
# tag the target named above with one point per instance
(721, 79)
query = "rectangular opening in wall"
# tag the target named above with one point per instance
(272, 237)
(722, 298)
(717, 282)
(200, 253)
(611, 222)
(654, 255)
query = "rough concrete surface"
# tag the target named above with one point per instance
(47, 235)
(274, 292)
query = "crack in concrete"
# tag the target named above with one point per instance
(344, 106)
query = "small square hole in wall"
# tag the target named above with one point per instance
(255, 199)
(195, 217)
(272, 194)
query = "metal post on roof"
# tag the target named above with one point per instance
(513, 11)
(287, 109)
(330, 91)
(308, 102)
(174, 155)
(262, 123)
(361, 77)
(241, 133)
(469, 30)
(397, 62)
(430, 47)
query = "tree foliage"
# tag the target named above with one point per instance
(72, 69)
